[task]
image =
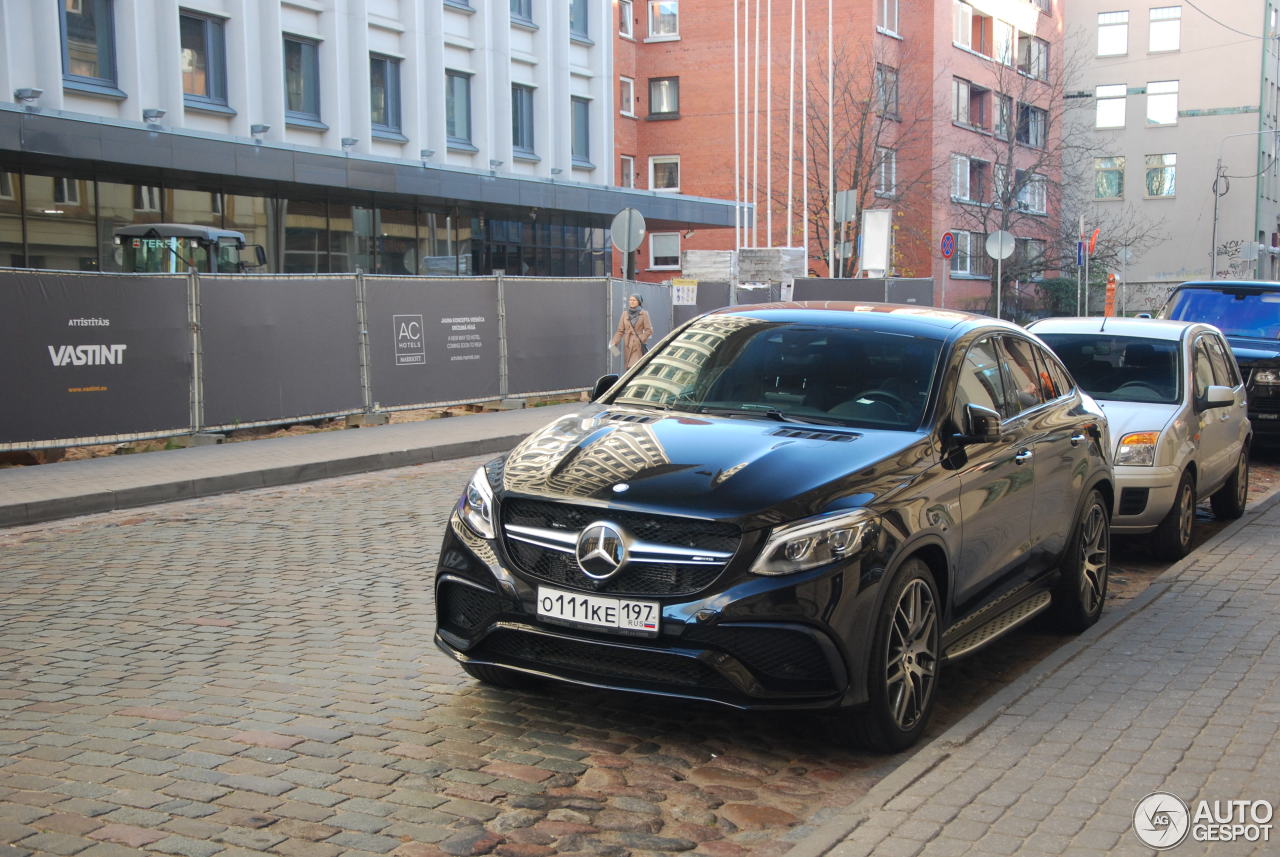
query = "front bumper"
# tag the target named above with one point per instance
(1144, 495)
(753, 643)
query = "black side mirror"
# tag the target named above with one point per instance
(983, 425)
(260, 254)
(603, 383)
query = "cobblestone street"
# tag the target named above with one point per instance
(254, 674)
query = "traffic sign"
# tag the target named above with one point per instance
(627, 230)
(948, 245)
(1000, 244)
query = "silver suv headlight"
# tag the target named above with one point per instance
(1138, 447)
(811, 542)
(475, 507)
(1267, 377)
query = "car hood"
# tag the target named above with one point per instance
(1127, 417)
(1253, 353)
(742, 469)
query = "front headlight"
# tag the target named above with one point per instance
(812, 542)
(1138, 447)
(1267, 377)
(475, 507)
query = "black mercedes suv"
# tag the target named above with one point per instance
(788, 506)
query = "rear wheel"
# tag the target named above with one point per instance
(905, 660)
(1229, 501)
(498, 677)
(1172, 539)
(1080, 594)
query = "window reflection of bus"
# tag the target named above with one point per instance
(175, 248)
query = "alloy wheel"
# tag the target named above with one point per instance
(912, 654)
(1095, 549)
(1242, 479)
(1186, 514)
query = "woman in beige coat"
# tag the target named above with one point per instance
(634, 332)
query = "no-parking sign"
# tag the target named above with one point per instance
(948, 245)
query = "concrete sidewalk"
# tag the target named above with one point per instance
(1179, 693)
(47, 492)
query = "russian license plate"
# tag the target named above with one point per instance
(624, 615)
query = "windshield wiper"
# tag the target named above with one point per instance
(775, 414)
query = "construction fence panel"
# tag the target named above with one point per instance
(432, 340)
(712, 294)
(552, 332)
(92, 358)
(275, 348)
(915, 290)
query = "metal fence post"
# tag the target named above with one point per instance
(503, 378)
(362, 324)
(197, 351)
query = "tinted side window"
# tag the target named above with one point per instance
(1053, 377)
(1022, 380)
(980, 382)
(1224, 365)
(1201, 368)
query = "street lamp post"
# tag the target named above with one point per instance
(1220, 179)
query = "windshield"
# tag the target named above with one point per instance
(1120, 368)
(1235, 313)
(803, 372)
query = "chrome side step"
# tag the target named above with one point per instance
(998, 626)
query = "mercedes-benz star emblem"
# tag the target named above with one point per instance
(602, 550)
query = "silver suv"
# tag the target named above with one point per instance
(1176, 404)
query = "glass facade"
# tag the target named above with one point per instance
(69, 223)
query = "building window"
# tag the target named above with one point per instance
(1004, 115)
(1004, 42)
(1166, 29)
(522, 118)
(664, 172)
(301, 79)
(889, 15)
(146, 198)
(384, 94)
(457, 107)
(664, 250)
(204, 59)
(970, 256)
(887, 90)
(1108, 178)
(1032, 122)
(1161, 175)
(664, 19)
(1162, 102)
(971, 29)
(1033, 56)
(6, 186)
(1113, 34)
(578, 20)
(1110, 105)
(522, 11)
(886, 171)
(664, 97)
(627, 171)
(581, 109)
(626, 96)
(971, 104)
(969, 179)
(1028, 254)
(66, 191)
(626, 16)
(1032, 192)
(88, 41)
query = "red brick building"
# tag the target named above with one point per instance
(944, 112)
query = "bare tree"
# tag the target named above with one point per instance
(880, 129)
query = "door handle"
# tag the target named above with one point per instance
(1077, 438)
(1022, 457)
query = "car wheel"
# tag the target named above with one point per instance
(1229, 501)
(1082, 590)
(904, 666)
(1172, 539)
(498, 677)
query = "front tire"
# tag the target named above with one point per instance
(905, 662)
(1172, 539)
(1082, 590)
(1228, 502)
